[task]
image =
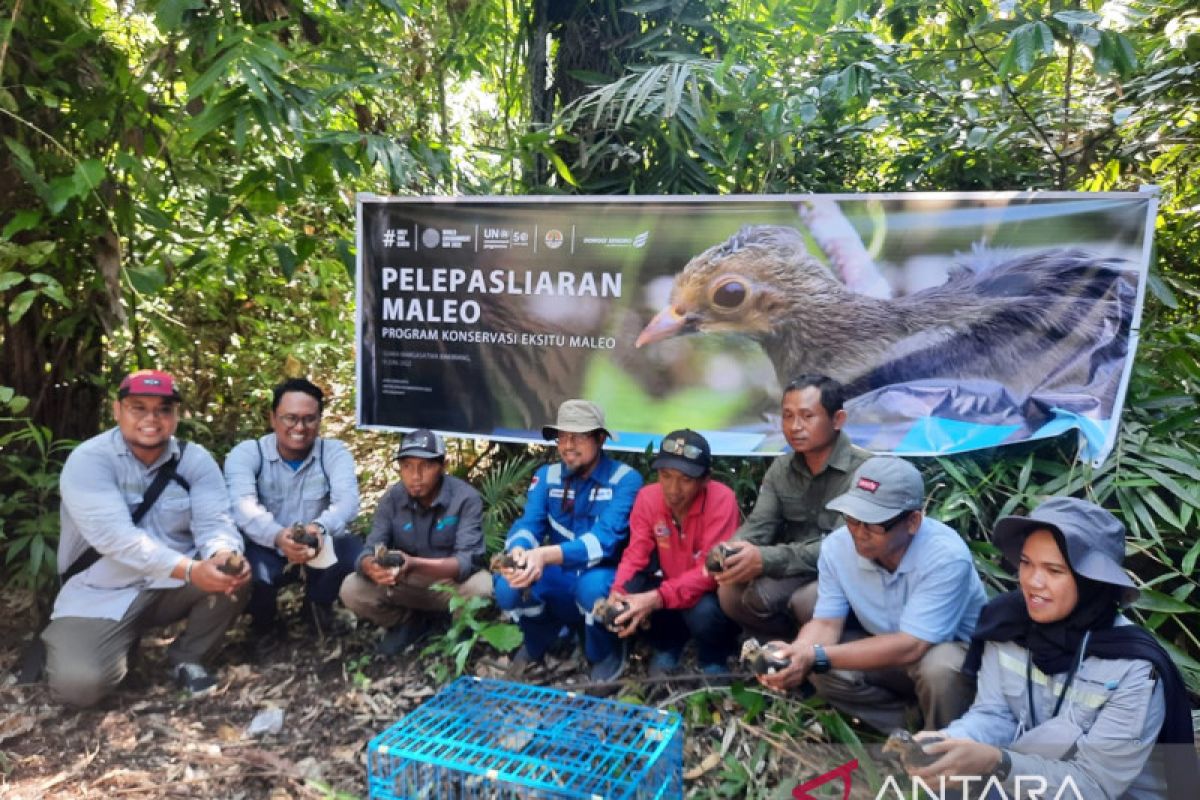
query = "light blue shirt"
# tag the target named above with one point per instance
(268, 495)
(934, 594)
(101, 484)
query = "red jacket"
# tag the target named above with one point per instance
(712, 518)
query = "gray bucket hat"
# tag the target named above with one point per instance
(1095, 539)
(882, 488)
(577, 416)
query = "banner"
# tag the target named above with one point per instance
(957, 321)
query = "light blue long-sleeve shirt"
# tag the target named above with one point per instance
(1102, 738)
(268, 495)
(101, 485)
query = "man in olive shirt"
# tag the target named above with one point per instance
(769, 585)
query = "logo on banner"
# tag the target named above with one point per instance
(396, 237)
(554, 238)
(504, 238)
(431, 238)
(618, 241)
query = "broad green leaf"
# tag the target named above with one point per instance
(505, 637)
(88, 175)
(62, 191)
(20, 304)
(169, 13)
(562, 169)
(20, 152)
(24, 220)
(147, 279)
(1151, 600)
(287, 260)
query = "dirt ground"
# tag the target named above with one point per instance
(147, 741)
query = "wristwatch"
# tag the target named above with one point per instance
(1004, 767)
(821, 663)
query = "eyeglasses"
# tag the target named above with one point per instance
(291, 420)
(878, 528)
(677, 447)
(567, 437)
(165, 411)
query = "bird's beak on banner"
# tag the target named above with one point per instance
(666, 323)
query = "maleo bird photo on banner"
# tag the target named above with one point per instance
(956, 321)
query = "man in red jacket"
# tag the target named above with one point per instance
(673, 525)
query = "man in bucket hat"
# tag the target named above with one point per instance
(146, 532)
(567, 542)
(675, 522)
(435, 521)
(912, 586)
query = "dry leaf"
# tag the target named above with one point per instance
(710, 762)
(228, 733)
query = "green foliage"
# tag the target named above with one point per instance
(30, 461)
(448, 653)
(502, 485)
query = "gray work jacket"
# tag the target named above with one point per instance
(1101, 738)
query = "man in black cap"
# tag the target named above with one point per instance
(673, 525)
(912, 586)
(435, 520)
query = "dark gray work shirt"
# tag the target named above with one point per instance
(451, 526)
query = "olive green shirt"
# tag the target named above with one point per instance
(790, 519)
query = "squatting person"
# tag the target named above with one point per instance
(121, 577)
(434, 522)
(567, 542)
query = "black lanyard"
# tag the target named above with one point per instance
(1033, 723)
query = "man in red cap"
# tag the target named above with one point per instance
(146, 537)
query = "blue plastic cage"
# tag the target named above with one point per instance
(493, 739)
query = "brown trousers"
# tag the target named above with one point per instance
(390, 605)
(887, 699)
(87, 657)
(770, 608)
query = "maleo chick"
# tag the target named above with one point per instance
(1020, 322)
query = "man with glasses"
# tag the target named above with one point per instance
(289, 478)
(674, 523)
(122, 577)
(768, 585)
(567, 543)
(434, 523)
(912, 586)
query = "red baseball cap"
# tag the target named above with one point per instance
(152, 382)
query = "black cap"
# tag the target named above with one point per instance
(421, 443)
(686, 451)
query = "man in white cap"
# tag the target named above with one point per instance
(146, 541)
(568, 541)
(912, 586)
